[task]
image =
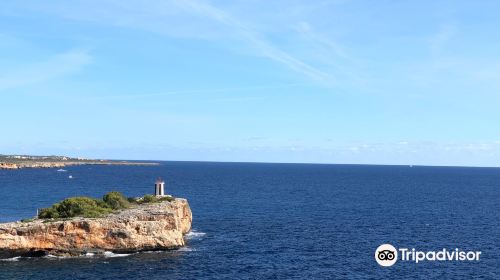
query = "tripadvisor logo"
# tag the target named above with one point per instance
(387, 255)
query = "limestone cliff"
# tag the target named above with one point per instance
(153, 226)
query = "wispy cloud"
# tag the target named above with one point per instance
(191, 19)
(305, 29)
(53, 67)
(264, 47)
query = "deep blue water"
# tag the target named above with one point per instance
(281, 221)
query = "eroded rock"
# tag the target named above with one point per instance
(154, 226)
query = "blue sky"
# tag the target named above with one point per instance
(385, 82)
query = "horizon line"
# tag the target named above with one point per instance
(256, 162)
(309, 163)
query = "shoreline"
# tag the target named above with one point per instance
(5, 164)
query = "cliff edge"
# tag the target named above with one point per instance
(152, 226)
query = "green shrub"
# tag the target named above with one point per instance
(116, 200)
(82, 207)
(149, 199)
(154, 199)
(102, 204)
(49, 213)
(93, 208)
(132, 200)
(76, 207)
(166, 198)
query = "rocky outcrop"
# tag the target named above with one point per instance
(6, 165)
(153, 226)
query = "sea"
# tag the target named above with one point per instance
(280, 221)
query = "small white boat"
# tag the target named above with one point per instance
(61, 170)
(70, 176)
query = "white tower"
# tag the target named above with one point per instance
(160, 187)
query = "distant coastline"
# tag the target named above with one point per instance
(27, 161)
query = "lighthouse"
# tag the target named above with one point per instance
(160, 187)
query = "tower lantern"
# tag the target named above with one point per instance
(160, 187)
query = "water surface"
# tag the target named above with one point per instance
(280, 221)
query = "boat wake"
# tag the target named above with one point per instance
(114, 255)
(186, 249)
(194, 235)
(14, 259)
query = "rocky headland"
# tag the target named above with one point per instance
(151, 226)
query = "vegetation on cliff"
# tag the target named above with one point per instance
(116, 200)
(85, 207)
(153, 199)
(76, 207)
(88, 207)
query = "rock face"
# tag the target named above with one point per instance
(6, 165)
(154, 226)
